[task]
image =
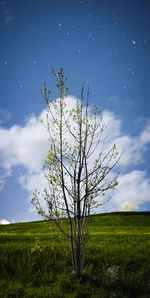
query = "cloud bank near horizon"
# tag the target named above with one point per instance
(4, 222)
(27, 146)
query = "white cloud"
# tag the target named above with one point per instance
(133, 190)
(133, 150)
(134, 147)
(27, 146)
(113, 126)
(133, 187)
(127, 206)
(4, 222)
(145, 135)
(32, 181)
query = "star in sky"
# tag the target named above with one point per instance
(133, 41)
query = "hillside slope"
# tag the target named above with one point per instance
(98, 223)
(35, 261)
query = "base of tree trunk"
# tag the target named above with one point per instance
(79, 274)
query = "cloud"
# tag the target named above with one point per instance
(4, 222)
(133, 187)
(134, 147)
(32, 181)
(133, 150)
(113, 126)
(145, 135)
(38, 179)
(127, 206)
(27, 146)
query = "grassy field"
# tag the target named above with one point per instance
(35, 260)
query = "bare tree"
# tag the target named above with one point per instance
(76, 182)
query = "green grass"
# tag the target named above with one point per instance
(36, 262)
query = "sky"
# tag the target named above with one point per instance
(105, 44)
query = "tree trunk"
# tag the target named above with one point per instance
(79, 261)
(78, 250)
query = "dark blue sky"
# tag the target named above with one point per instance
(104, 43)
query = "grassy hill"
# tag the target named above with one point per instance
(114, 219)
(35, 260)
